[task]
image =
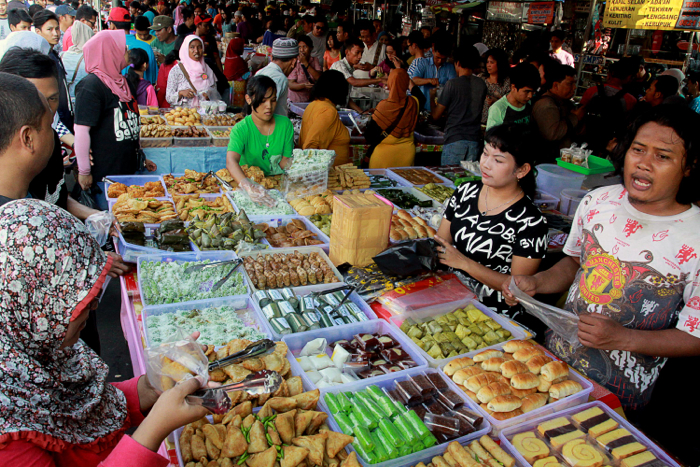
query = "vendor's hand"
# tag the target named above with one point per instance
(600, 332)
(85, 181)
(435, 82)
(170, 412)
(186, 94)
(119, 267)
(151, 166)
(257, 193)
(449, 255)
(528, 284)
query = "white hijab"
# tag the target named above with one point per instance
(25, 40)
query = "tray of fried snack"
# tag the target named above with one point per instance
(139, 186)
(150, 211)
(253, 173)
(190, 207)
(191, 182)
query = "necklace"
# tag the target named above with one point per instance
(486, 196)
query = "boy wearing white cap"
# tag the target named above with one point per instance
(285, 53)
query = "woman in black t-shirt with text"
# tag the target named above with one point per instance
(492, 229)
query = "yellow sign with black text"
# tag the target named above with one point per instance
(642, 14)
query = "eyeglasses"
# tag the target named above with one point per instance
(320, 28)
(92, 23)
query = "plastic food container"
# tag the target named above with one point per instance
(596, 165)
(594, 181)
(390, 175)
(299, 108)
(570, 199)
(130, 252)
(411, 190)
(579, 398)
(184, 142)
(507, 435)
(444, 180)
(439, 310)
(139, 180)
(411, 459)
(553, 179)
(203, 195)
(545, 201)
(188, 256)
(245, 310)
(301, 290)
(429, 136)
(156, 142)
(296, 342)
(219, 141)
(309, 226)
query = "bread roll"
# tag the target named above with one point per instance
(493, 364)
(486, 354)
(554, 370)
(486, 409)
(479, 381)
(535, 363)
(457, 364)
(544, 386)
(525, 381)
(523, 355)
(522, 393)
(461, 376)
(512, 368)
(470, 394)
(564, 389)
(533, 401)
(404, 215)
(505, 403)
(500, 416)
(515, 345)
(508, 357)
(492, 390)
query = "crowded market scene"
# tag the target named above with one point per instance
(335, 233)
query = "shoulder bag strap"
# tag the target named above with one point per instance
(75, 73)
(377, 53)
(187, 77)
(395, 123)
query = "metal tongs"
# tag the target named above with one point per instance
(256, 349)
(217, 400)
(227, 186)
(196, 267)
(352, 119)
(209, 174)
(105, 179)
(223, 280)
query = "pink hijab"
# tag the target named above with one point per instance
(196, 69)
(104, 57)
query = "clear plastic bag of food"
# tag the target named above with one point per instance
(563, 323)
(256, 193)
(177, 359)
(99, 225)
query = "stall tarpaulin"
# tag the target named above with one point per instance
(510, 12)
(645, 14)
(540, 13)
(453, 7)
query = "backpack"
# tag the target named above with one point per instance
(604, 119)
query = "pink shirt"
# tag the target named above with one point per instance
(67, 38)
(127, 452)
(300, 76)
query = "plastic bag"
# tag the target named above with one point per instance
(177, 359)
(99, 226)
(85, 197)
(428, 292)
(561, 322)
(256, 193)
(410, 258)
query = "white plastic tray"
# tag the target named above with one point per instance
(301, 290)
(507, 434)
(296, 342)
(439, 310)
(571, 401)
(411, 459)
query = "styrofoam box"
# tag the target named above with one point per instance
(301, 290)
(411, 459)
(388, 174)
(321, 407)
(309, 226)
(139, 180)
(425, 314)
(445, 181)
(203, 195)
(296, 342)
(354, 298)
(507, 435)
(244, 309)
(411, 190)
(188, 256)
(579, 398)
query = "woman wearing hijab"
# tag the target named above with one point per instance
(57, 407)
(73, 59)
(393, 123)
(235, 68)
(106, 115)
(191, 77)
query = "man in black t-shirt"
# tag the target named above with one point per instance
(26, 136)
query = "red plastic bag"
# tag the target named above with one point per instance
(428, 292)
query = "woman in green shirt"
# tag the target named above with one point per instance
(262, 139)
